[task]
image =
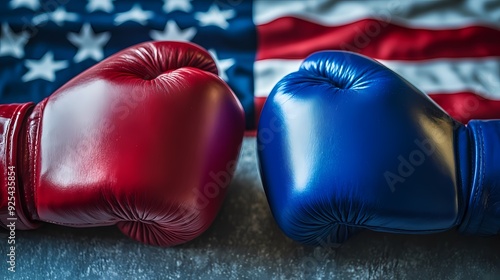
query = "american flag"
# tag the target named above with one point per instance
(448, 49)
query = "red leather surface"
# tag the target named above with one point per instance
(147, 140)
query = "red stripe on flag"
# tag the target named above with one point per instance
(466, 106)
(251, 133)
(463, 106)
(293, 38)
(258, 105)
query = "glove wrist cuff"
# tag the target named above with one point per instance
(482, 215)
(13, 215)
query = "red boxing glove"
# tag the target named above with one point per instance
(147, 139)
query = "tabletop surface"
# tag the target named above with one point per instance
(244, 242)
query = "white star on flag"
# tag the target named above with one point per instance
(214, 16)
(30, 4)
(100, 5)
(58, 16)
(44, 68)
(222, 64)
(172, 32)
(174, 5)
(11, 43)
(136, 13)
(90, 45)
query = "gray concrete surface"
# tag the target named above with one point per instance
(245, 243)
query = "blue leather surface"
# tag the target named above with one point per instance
(483, 211)
(345, 143)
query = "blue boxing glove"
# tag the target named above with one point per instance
(345, 143)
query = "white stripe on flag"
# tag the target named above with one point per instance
(413, 13)
(479, 75)
(269, 71)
